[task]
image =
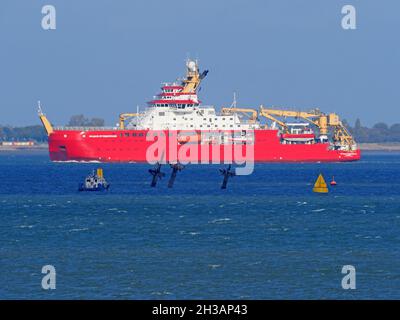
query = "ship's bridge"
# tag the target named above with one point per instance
(173, 97)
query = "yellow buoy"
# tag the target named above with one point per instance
(100, 172)
(320, 185)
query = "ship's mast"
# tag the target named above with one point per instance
(193, 77)
(234, 102)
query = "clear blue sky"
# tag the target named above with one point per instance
(106, 57)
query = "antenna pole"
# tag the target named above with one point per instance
(39, 108)
(234, 102)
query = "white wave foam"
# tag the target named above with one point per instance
(78, 229)
(220, 220)
(158, 293)
(191, 233)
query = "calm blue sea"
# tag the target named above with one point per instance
(266, 237)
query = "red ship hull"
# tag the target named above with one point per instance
(132, 146)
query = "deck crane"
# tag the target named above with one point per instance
(251, 114)
(46, 123)
(124, 116)
(341, 135)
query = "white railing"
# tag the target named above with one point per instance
(87, 128)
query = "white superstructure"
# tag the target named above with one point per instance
(178, 107)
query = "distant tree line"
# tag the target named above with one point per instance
(80, 120)
(37, 132)
(29, 133)
(378, 133)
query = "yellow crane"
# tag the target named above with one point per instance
(46, 123)
(246, 111)
(124, 116)
(315, 116)
(323, 121)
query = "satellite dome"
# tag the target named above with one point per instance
(191, 65)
